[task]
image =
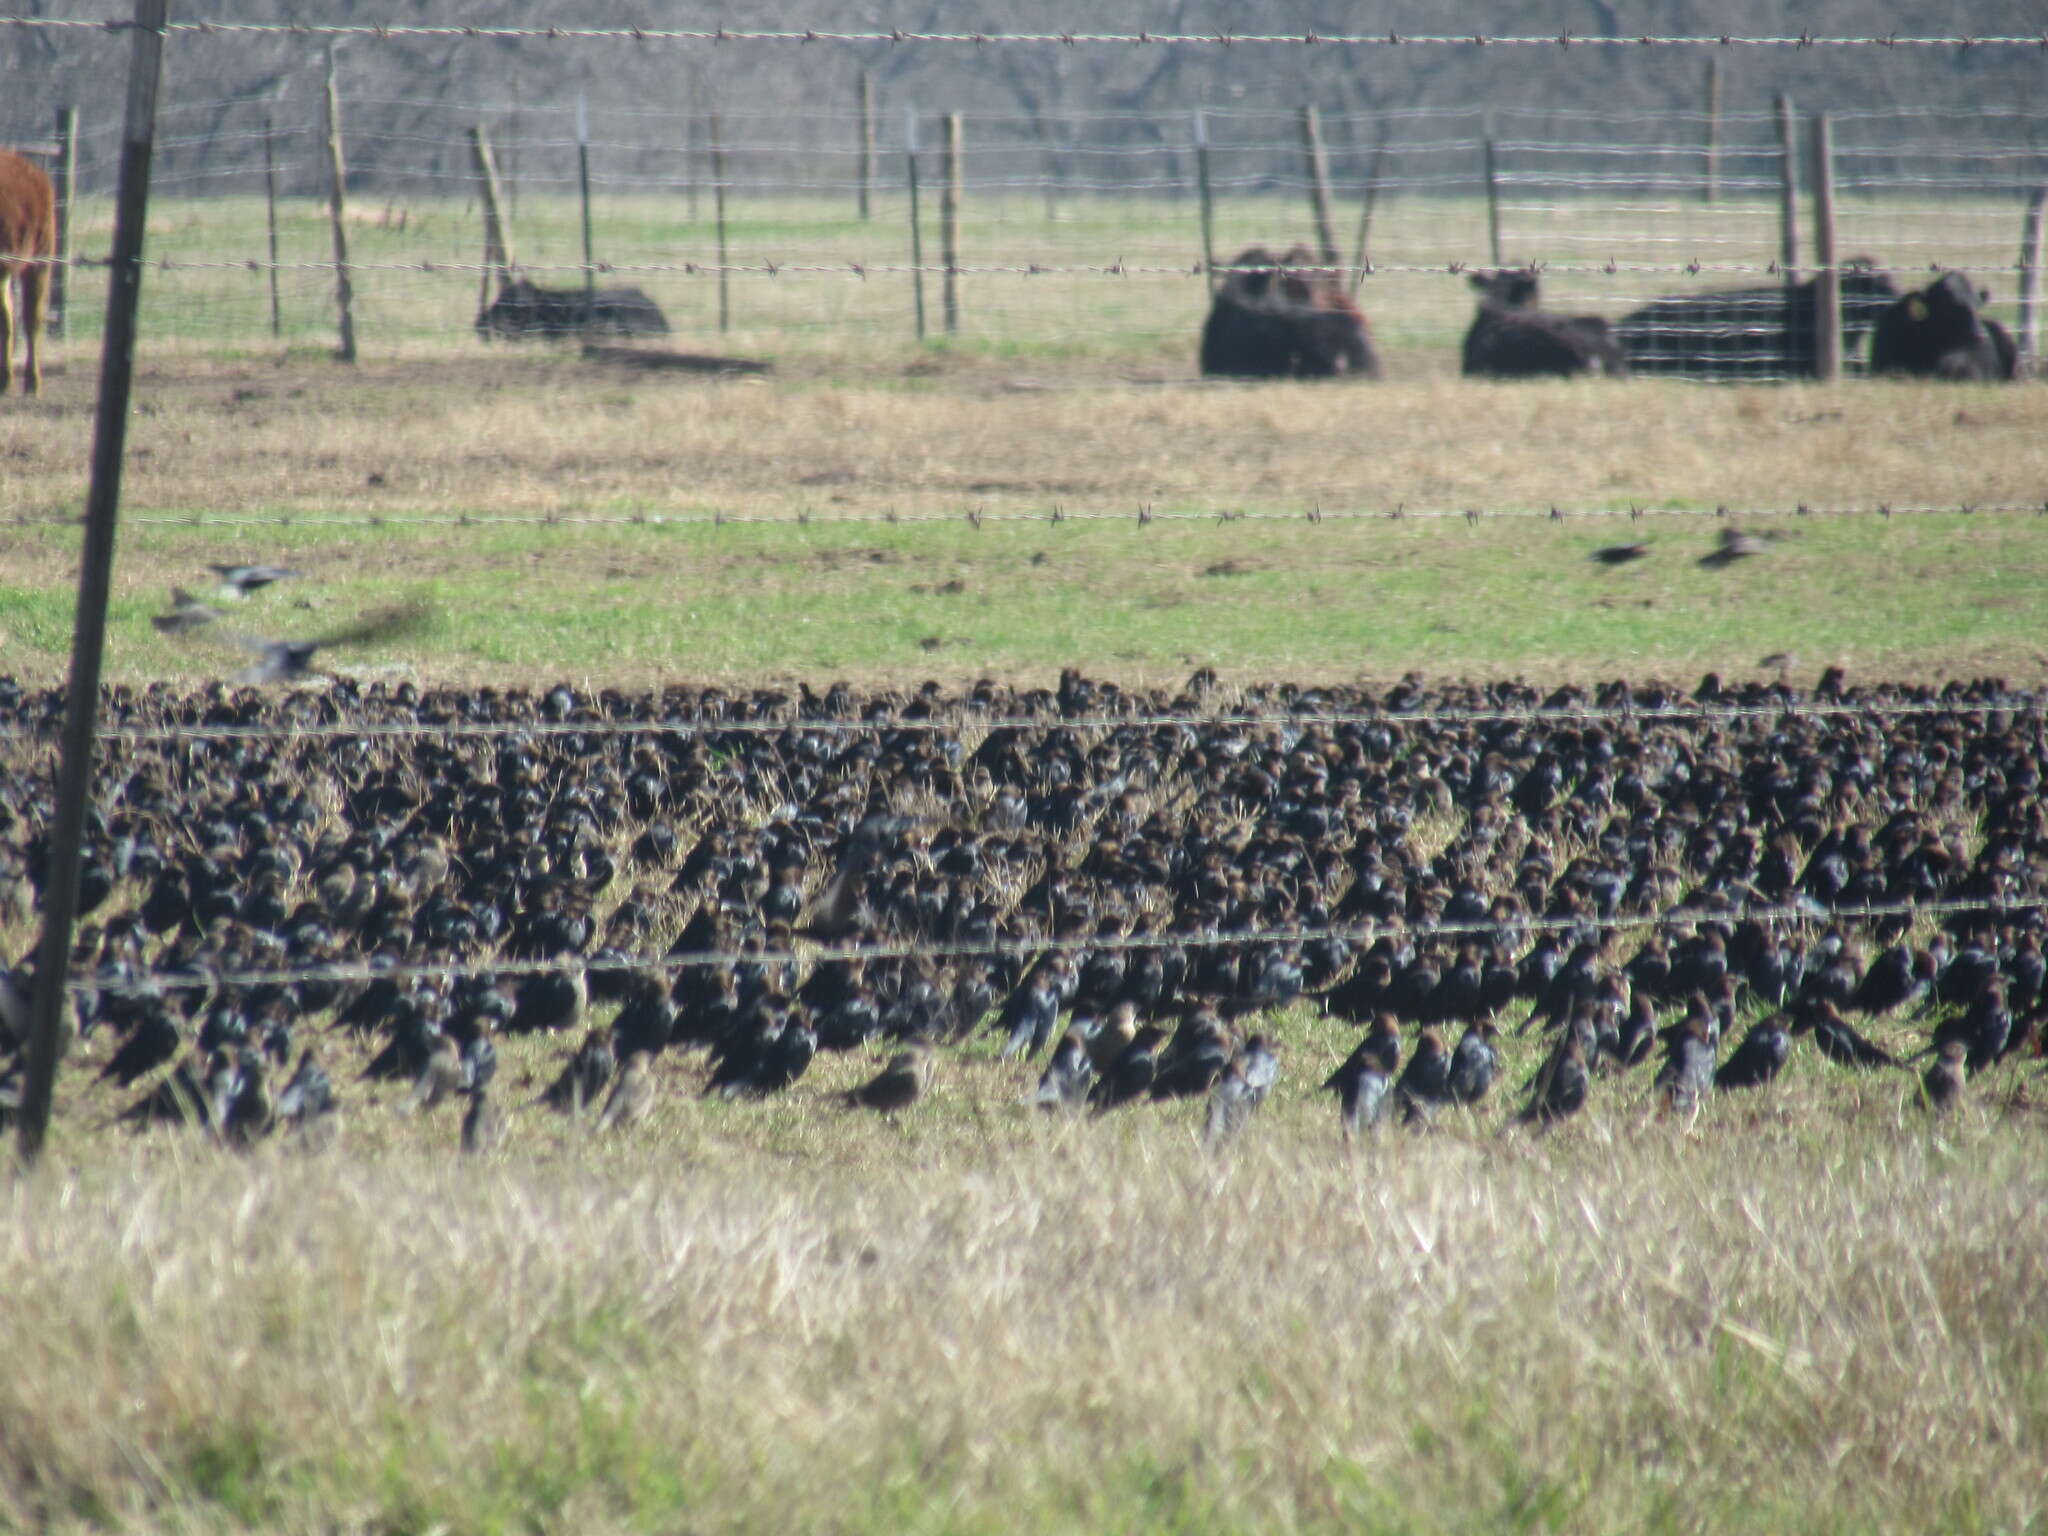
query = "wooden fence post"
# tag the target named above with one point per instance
(1361, 252)
(1788, 191)
(1712, 191)
(67, 199)
(1207, 198)
(1492, 170)
(270, 218)
(1318, 167)
(583, 194)
(337, 179)
(1827, 282)
(916, 230)
(718, 217)
(498, 257)
(2033, 235)
(950, 197)
(866, 184)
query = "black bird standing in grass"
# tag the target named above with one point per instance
(1560, 1088)
(1687, 1073)
(1242, 1088)
(1759, 1058)
(154, 1041)
(1475, 1063)
(1364, 1082)
(898, 1085)
(1838, 1039)
(1130, 1075)
(439, 1079)
(1942, 1085)
(1425, 1083)
(584, 1078)
(481, 1126)
(1067, 1077)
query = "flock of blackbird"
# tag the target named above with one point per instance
(1111, 889)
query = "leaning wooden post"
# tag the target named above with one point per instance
(1788, 191)
(497, 234)
(1827, 281)
(951, 187)
(1207, 198)
(583, 193)
(1317, 165)
(337, 180)
(1492, 171)
(1361, 252)
(718, 219)
(866, 184)
(2033, 236)
(916, 231)
(270, 218)
(67, 199)
(1712, 192)
(95, 575)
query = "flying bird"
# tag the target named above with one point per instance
(186, 613)
(279, 661)
(1620, 554)
(1735, 545)
(244, 579)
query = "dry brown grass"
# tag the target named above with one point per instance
(1011, 1326)
(540, 433)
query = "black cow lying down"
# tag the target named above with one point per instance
(524, 308)
(1511, 338)
(1277, 317)
(1750, 333)
(1938, 333)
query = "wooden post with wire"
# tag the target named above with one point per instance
(66, 179)
(1491, 167)
(583, 195)
(498, 257)
(718, 219)
(916, 229)
(337, 215)
(2033, 236)
(1317, 166)
(951, 189)
(1788, 191)
(1361, 252)
(1827, 277)
(46, 1034)
(1207, 198)
(270, 219)
(865, 185)
(1711, 192)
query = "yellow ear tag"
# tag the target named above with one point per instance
(1917, 308)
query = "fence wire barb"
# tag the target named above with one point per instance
(392, 31)
(1639, 714)
(1356, 934)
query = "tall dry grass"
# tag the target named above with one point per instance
(1773, 1327)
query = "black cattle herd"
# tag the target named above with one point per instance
(1114, 890)
(1286, 317)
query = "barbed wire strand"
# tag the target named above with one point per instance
(389, 32)
(1355, 934)
(1639, 714)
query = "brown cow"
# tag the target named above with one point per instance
(28, 230)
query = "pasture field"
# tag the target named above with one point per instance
(1812, 1309)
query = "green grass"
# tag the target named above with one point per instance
(1283, 598)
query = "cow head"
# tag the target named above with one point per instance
(1516, 288)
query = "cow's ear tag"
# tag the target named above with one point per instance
(1917, 308)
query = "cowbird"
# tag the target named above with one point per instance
(308, 1095)
(439, 1080)
(1067, 1077)
(250, 1109)
(186, 613)
(1560, 1088)
(550, 1000)
(840, 909)
(1112, 1037)
(1475, 1063)
(632, 1094)
(244, 579)
(1839, 1040)
(1620, 554)
(481, 1126)
(1241, 1089)
(1194, 1058)
(899, 1084)
(153, 1041)
(1734, 545)
(1687, 1072)
(1130, 1075)
(1942, 1084)
(1425, 1083)
(279, 661)
(1760, 1056)
(584, 1077)
(1028, 1017)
